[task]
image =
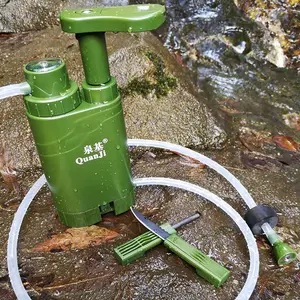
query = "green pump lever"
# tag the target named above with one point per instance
(90, 26)
(132, 18)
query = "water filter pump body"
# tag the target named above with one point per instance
(80, 133)
(82, 151)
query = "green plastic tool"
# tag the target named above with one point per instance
(136, 248)
(80, 133)
(205, 267)
(283, 253)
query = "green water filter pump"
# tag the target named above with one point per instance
(80, 133)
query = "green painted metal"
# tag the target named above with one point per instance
(80, 134)
(205, 267)
(136, 248)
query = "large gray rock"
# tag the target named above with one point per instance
(24, 15)
(180, 116)
(170, 112)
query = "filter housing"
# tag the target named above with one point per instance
(81, 144)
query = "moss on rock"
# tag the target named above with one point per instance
(161, 82)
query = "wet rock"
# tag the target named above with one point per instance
(252, 94)
(6, 293)
(6, 170)
(19, 15)
(226, 52)
(292, 120)
(169, 110)
(282, 20)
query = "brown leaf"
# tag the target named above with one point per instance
(230, 106)
(196, 172)
(262, 245)
(189, 160)
(76, 238)
(5, 35)
(286, 142)
(254, 140)
(178, 58)
(259, 161)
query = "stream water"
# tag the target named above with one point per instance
(228, 54)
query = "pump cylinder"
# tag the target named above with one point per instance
(94, 57)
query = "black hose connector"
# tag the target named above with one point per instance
(258, 215)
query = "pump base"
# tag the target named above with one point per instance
(94, 215)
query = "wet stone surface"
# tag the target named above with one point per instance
(220, 63)
(25, 15)
(282, 18)
(93, 273)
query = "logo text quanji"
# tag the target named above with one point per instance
(82, 160)
(95, 151)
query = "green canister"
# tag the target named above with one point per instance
(80, 133)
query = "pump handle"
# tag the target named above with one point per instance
(132, 18)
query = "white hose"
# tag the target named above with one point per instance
(201, 158)
(12, 258)
(22, 88)
(12, 245)
(253, 273)
(268, 230)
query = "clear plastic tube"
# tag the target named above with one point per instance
(201, 158)
(210, 163)
(12, 257)
(270, 233)
(12, 244)
(253, 273)
(22, 88)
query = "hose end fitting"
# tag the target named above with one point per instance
(259, 215)
(283, 253)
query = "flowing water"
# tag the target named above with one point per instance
(229, 55)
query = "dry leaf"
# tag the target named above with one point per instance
(230, 106)
(190, 161)
(196, 172)
(260, 161)
(178, 58)
(286, 142)
(254, 140)
(76, 238)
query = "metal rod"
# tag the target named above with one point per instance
(186, 221)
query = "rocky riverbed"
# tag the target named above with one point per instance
(209, 80)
